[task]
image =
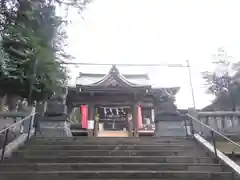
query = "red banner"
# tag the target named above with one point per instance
(84, 110)
(140, 123)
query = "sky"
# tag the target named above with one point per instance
(156, 31)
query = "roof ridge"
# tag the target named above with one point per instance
(125, 75)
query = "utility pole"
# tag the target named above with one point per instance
(191, 84)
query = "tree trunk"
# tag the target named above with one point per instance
(2, 103)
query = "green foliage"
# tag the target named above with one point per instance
(3, 60)
(32, 39)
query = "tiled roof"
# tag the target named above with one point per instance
(94, 79)
(114, 77)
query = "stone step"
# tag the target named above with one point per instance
(108, 147)
(108, 159)
(165, 158)
(73, 175)
(117, 139)
(115, 152)
(114, 138)
(60, 142)
(111, 167)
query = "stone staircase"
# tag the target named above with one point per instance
(167, 158)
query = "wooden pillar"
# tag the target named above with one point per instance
(91, 116)
(135, 119)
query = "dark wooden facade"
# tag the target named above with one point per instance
(116, 91)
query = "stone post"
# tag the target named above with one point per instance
(96, 125)
(130, 125)
(26, 123)
(195, 126)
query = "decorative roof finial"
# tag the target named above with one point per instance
(114, 69)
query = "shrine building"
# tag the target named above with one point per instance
(116, 104)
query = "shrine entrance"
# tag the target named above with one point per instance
(118, 105)
(113, 121)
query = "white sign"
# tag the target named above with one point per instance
(108, 111)
(91, 124)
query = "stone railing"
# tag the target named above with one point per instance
(15, 129)
(225, 122)
(9, 118)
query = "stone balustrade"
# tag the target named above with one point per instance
(225, 122)
(17, 130)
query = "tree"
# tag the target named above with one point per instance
(23, 40)
(3, 72)
(224, 81)
(33, 38)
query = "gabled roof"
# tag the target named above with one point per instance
(113, 79)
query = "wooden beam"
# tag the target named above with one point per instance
(146, 105)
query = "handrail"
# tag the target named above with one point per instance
(219, 113)
(6, 132)
(212, 134)
(19, 122)
(197, 120)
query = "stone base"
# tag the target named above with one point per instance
(169, 124)
(55, 129)
(169, 128)
(55, 109)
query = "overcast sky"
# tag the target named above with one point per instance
(157, 31)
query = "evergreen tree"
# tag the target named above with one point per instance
(33, 38)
